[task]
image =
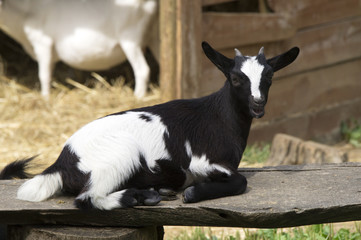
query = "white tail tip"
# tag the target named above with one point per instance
(40, 188)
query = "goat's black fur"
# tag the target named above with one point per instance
(17, 169)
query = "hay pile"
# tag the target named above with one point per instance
(30, 125)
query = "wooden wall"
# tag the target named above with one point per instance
(309, 98)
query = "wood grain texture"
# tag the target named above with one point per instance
(180, 47)
(308, 13)
(321, 47)
(276, 197)
(59, 232)
(224, 30)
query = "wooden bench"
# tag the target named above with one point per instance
(283, 196)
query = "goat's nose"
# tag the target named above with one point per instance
(259, 100)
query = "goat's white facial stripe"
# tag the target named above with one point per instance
(253, 70)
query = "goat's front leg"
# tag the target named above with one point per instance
(216, 188)
(43, 51)
(141, 70)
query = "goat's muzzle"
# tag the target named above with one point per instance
(256, 107)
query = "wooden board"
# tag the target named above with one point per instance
(211, 2)
(276, 197)
(319, 47)
(308, 13)
(322, 124)
(314, 90)
(297, 103)
(226, 30)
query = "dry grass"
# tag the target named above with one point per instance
(31, 125)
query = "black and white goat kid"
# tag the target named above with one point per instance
(131, 158)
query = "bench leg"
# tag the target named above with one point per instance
(35, 232)
(3, 231)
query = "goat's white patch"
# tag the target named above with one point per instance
(110, 148)
(107, 202)
(253, 70)
(40, 187)
(200, 167)
(188, 148)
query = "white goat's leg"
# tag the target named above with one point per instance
(140, 66)
(43, 49)
(46, 66)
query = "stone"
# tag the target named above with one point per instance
(289, 150)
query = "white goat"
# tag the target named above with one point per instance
(85, 34)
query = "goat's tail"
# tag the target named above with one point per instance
(17, 169)
(41, 187)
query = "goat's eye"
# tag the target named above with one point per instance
(235, 80)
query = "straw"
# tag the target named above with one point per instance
(30, 125)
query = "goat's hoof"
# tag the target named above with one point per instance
(128, 201)
(152, 201)
(83, 203)
(189, 195)
(148, 197)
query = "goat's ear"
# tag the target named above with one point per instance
(284, 59)
(222, 62)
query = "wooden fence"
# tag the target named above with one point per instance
(310, 98)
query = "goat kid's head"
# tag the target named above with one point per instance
(250, 76)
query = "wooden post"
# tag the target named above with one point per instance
(180, 48)
(167, 30)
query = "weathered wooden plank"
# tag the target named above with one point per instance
(224, 30)
(314, 90)
(308, 13)
(320, 124)
(311, 90)
(320, 47)
(211, 2)
(276, 197)
(321, 12)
